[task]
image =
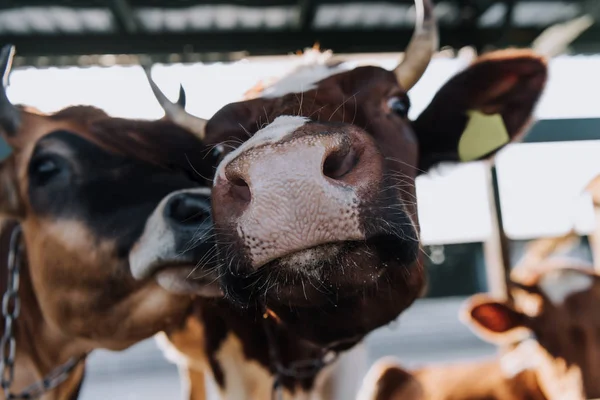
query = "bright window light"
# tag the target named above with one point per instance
(540, 183)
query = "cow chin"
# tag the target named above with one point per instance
(322, 274)
(358, 285)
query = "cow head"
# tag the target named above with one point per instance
(314, 199)
(558, 308)
(82, 185)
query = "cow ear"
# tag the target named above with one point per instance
(482, 108)
(494, 321)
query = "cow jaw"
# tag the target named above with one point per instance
(175, 256)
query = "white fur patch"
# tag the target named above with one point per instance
(276, 131)
(526, 356)
(156, 240)
(343, 377)
(559, 285)
(245, 379)
(303, 79)
(311, 68)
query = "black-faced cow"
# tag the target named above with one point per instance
(551, 333)
(81, 186)
(313, 204)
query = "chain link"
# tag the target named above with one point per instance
(8, 345)
(11, 307)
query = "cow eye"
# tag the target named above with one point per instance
(399, 106)
(216, 154)
(44, 168)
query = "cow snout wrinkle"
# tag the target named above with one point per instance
(295, 197)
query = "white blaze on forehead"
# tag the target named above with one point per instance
(312, 67)
(558, 285)
(303, 79)
(276, 131)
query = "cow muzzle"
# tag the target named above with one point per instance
(177, 247)
(306, 197)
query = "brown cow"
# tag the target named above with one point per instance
(81, 186)
(313, 201)
(339, 248)
(557, 306)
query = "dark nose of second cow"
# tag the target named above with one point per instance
(300, 192)
(187, 210)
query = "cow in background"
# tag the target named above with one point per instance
(80, 186)
(552, 331)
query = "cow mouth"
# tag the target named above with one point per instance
(323, 273)
(315, 257)
(185, 278)
(308, 260)
(181, 277)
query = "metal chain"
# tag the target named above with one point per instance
(8, 344)
(11, 307)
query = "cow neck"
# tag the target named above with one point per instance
(541, 374)
(267, 341)
(295, 370)
(526, 386)
(40, 349)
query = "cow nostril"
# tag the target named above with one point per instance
(339, 163)
(188, 210)
(240, 189)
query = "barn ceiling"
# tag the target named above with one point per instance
(64, 32)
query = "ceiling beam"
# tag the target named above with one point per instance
(262, 43)
(507, 23)
(470, 11)
(124, 16)
(188, 3)
(307, 9)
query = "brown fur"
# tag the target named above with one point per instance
(76, 290)
(562, 365)
(507, 82)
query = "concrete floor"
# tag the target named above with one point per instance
(429, 332)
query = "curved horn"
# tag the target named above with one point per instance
(176, 111)
(182, 97)
(10, 117)
(423, 44)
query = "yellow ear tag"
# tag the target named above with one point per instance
(482, 135)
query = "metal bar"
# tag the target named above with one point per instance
(189, 3)
(255, 42)
(508, 19)
(121, 10)
(306, 15)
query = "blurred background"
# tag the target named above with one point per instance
(88, 52)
